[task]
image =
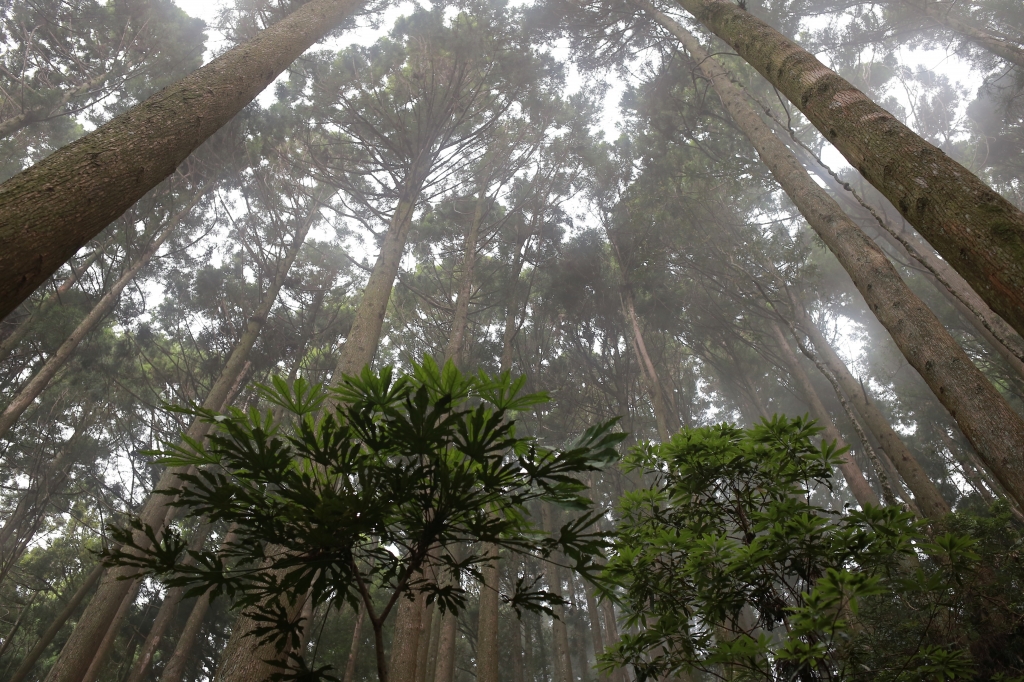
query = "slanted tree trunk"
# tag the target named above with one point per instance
(42, 378)
(976, 230)
(174, 671)
(1002, 48)
(859, 487)
(107, 643)
(24, 522)
(926, 494)
(12, 340)
(168, 609)
(1000, 336)
(76, 600)
(364, 337)
(995, 430)
(667, 424)
(100, 614)
(49, 211)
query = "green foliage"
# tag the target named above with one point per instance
(727, 568)
(368, 486)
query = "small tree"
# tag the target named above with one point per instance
(365, 488)
(724, 566)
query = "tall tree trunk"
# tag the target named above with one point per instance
(405, 645)
(164, 616)
(487, 650)
(445, 664)
(12, 340)
(873, 219)
(42, 378)
(976, 230)
(426, 633)
(518, 652)
(353, 649)
(49, 211)
(55, 627)
(859, 487)
(364, 337)
(926, 494)
(998, 46)
(174, 671)
(107, 643)
(667, 424)
(596, 631)
(100, 614)
(995, 430)
(24, 522)
(559, 631)
(460, 320)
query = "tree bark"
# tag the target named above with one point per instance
(1000, 336)
(995, 430)
(101, 612)
(27, 395)
(49, 211)
(926, 494)
(107, 643)
(976, 230)
(859, 487)
(460, 320)
(405, 645)
(445, 666)
(426, 633)
(487, 650)
(353, 650)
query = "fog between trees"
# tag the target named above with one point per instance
(807, 210)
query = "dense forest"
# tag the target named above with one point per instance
(549, 341)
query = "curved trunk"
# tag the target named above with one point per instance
(52, 209)
(927, 496)
(101, 612)
(995, 430)
(859, 487)
(27, 395)
(976, 230)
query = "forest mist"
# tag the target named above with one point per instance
(478, 341)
